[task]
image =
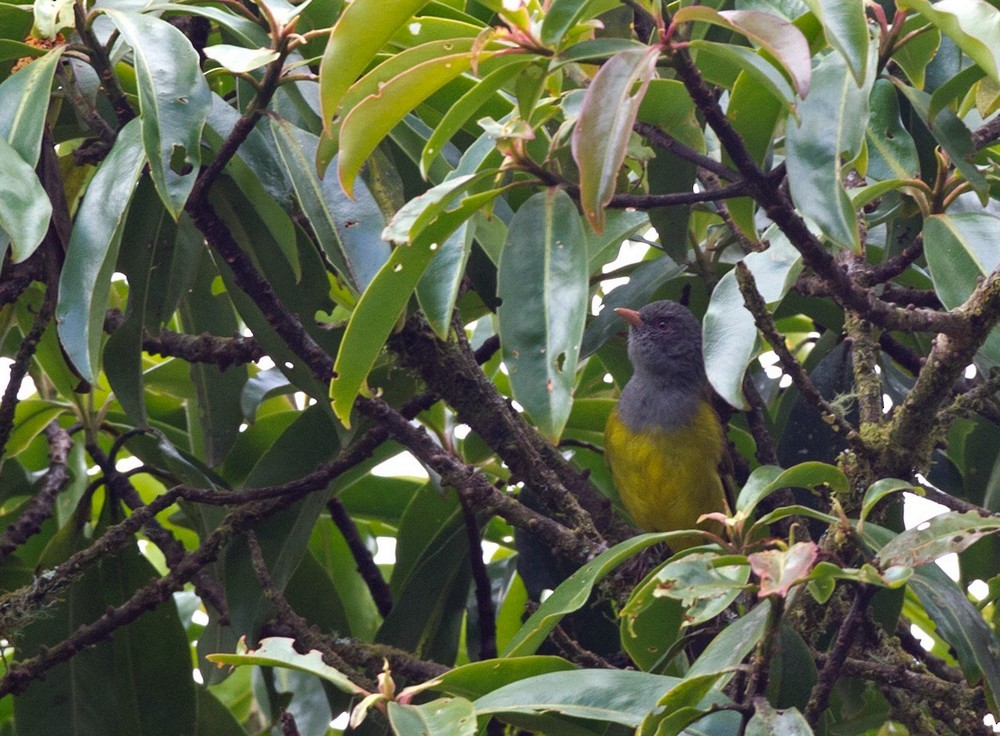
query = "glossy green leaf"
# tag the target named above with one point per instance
(277, 651)
(767, 479)
(431, 578)
(962, 625)
(24, 101)
(562, 15)
(777, 36)
(846, 30)
(478, 678)
(650, 625)
(962, 249)
(955, 89)
(729, 333)
(882, 488)
(974, 26)
(31, 417)
(832, 129)
(618, 226)
(439, 286)
(239, 59)
(753, 112)
(916, 54)
(93, 249)
(369, 122)
(892, 154)
(384, 300)
(173, 102)
(349, 232)
(542, 281)
(146, 269)
(25, 209)
(722, 64)
(573, 593)
(614, 696)
(441, 717)
(732, 645)
(217, 408)
(360, 31)
(604, 127)
(683, 704)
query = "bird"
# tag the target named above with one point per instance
(663, 441)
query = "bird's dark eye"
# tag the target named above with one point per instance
(663, 325)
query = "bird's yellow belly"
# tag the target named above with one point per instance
(666, 480)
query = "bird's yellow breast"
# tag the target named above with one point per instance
(666, 480)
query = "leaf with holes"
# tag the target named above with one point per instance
(174, 100)
(542, 280)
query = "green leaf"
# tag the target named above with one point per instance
(778, 37)
(278, 651)
(703, 582)
(349, 232)
(173, 102)
(441, 717)
(729, 332)
(650, 625)
(239, 59)
(723, 64)
(25, 209)
(573, 593)
(882, 488)
(542, 280)
(765, 480)
(961, 250)
(478, 678)
(600, 139)
(360, 31)
(731, 646)
(846, 30)
(439, 286)
(613, 696)
(562, 15)
(961, 625)
(679, 707)
(916, 54)
(217, 406)
(942, 535)
(974, 26)
(85, 280)
(31, 416)
(24, 101)
(891, 150)
(431, 578)
(370, 121)
(832, 129)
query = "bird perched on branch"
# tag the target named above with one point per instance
(664, 442)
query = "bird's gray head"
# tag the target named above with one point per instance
(664, 344)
